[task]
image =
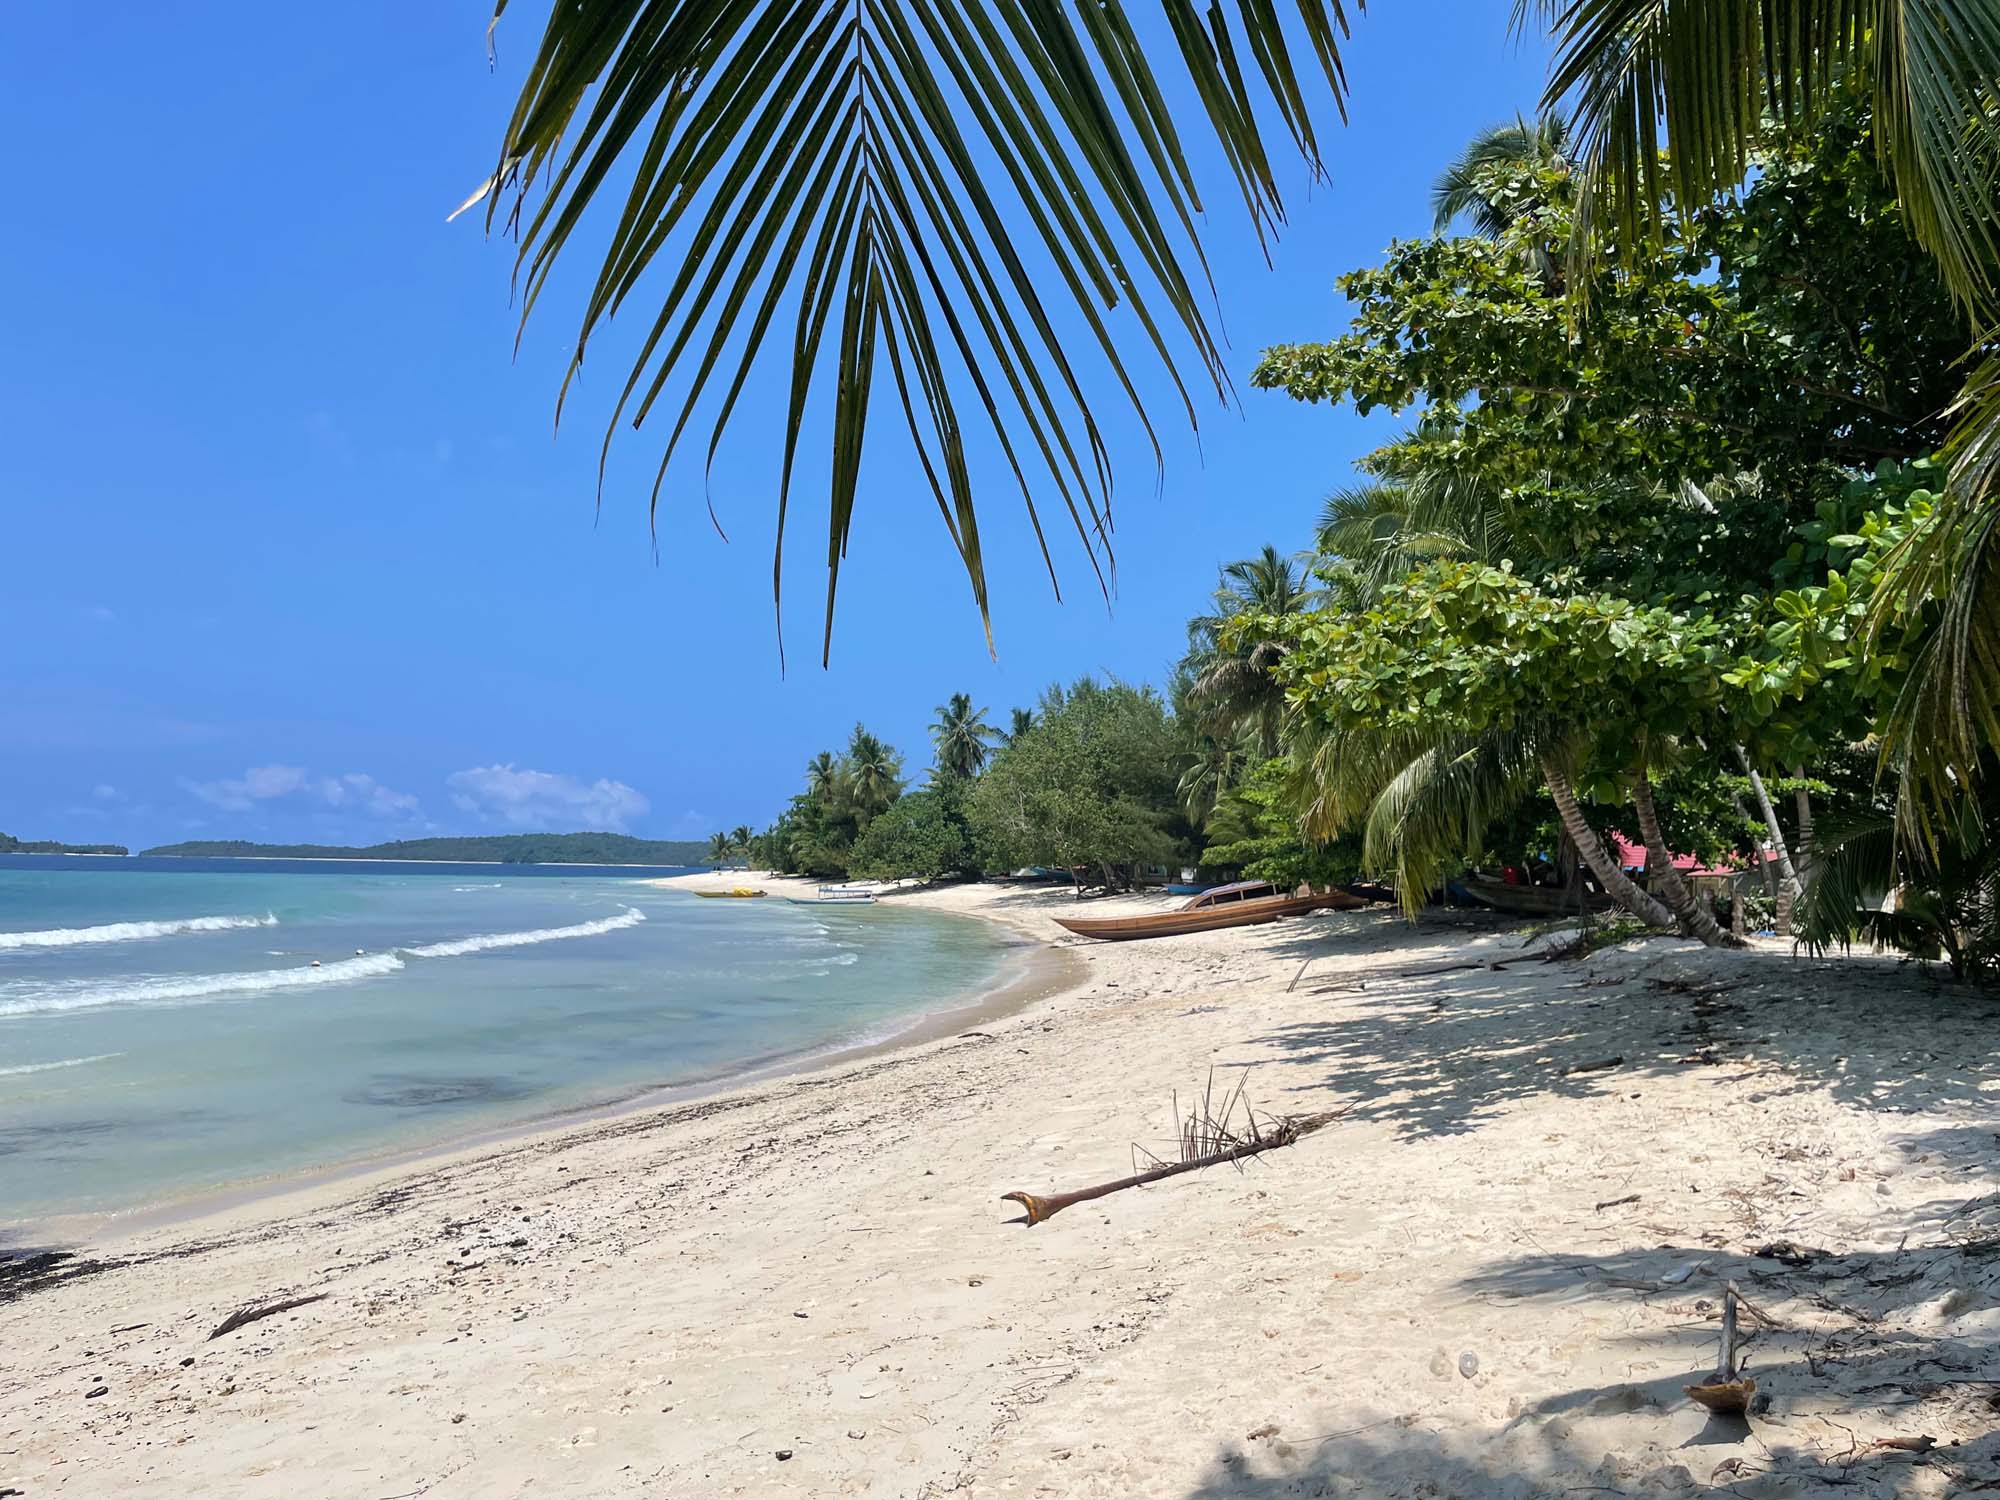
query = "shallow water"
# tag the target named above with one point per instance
(165, 1030)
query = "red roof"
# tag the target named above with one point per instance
(1632, 857)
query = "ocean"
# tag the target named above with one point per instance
(171, 1026)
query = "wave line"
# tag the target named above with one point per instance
(630, 917)
(126, 932)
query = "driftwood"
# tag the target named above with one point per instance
(255, 1311)
(1593, 1067)
(1206, 1140)
(1725, 1392)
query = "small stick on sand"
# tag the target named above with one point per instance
(1725, 1393)
(251, 1314)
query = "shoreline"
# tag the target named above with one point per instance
(1028, 973)
(1493, 1273)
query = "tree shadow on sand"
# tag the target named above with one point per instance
(1878, 1376)
(1392, 1461)
(1437, 1047)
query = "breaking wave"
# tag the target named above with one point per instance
(630, 917)
(126, 932)
(167, 991)
(67, 1062)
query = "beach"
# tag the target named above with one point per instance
(1492, 1274)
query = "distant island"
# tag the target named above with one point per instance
(11, 845)
(505, 849)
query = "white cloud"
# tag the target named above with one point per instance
(545, 800)
(104, 791)
(354, 790)
(358, 790)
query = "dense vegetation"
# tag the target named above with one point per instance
(505, 848)
(1629, 580)
(11, 845)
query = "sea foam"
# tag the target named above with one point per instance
(67, 1062)
(630, 917)
(174, 989)
(126, 932)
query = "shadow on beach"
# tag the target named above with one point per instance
(1435, 1045)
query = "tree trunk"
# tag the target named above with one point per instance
(1602, 865)
(1778, 845)
(1802, 799)
(1694, 913)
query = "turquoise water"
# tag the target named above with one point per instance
(166, 1030)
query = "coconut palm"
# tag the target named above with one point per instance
(1233, 684)
(1020, 723)
(719, 849)
(939, 195)
(1385, 530)
(961, 737)
(739, 841)
(1465, 188)
(874, 772)
(822, 775)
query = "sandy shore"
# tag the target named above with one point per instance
(1492, 1276)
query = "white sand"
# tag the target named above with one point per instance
(1437, 1296)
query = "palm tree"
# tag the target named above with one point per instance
(822, 775)
(739, 840)
(961, 737)
(1695, 77)
(1232, 685)
(1465, 188)
(718, 849)
(859, 171)
(874, 772)
(1022, 721)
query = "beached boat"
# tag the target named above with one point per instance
(1242, 904)
(1529, 900)
(836, 895)
(740, 893)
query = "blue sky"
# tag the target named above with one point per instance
(293, 553)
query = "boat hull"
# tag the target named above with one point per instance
(831, 900)
(1209, 919)
(1528, 900)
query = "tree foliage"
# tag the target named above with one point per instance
(1091, 786)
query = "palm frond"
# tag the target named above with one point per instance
(860, 172)
(1854, 868)
(1461, 190)
(1436, 808)
(1668, 98)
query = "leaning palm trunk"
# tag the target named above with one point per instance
(1803, 800)
(1602, 865)
(1779, 848)
(1693, 912)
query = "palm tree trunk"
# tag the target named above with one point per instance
(1778, 845)
(1602, 865)
(1802, 799)
(1692, 911)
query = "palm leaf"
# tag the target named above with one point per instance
(889, 170)
(1695, 77)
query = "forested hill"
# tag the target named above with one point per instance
(11, 845)
(506, 849)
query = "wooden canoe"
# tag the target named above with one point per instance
(1207, 918)
(1529, 900)
(739, 894)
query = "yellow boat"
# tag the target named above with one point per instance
(741, 891)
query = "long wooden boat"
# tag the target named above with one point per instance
(1529, 900)
(740, 893)
(1244, 904)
